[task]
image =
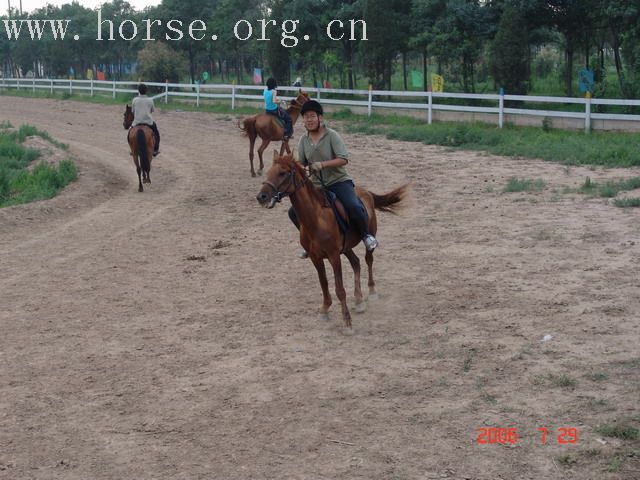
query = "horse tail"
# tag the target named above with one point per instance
(248, 127)
(141, 139)
(393, 201)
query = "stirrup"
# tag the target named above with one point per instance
(370, 242)
(303, 254)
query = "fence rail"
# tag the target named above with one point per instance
(429, 103)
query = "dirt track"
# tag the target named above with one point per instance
(173, 334)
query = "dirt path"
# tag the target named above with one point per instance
(173, 334)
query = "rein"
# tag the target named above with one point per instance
(279, 194)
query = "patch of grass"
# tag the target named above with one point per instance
(17, 183)
(612, 149)
(550, 379)
(469, 360)
(566, 460)
(609, 189)
(523, 185)
(614, 464)
(627, 202)
(623, 430)
(597, 376)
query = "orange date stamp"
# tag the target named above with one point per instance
(509, 436)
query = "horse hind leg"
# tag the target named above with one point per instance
(261, 149)
(252, 142)
(139, 170)
(361, 305)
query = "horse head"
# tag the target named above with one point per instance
(301, 99)
(128, 118)
(284, 178)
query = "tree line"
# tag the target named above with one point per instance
(500, 43)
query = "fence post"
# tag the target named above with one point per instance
(70, 87)
(430, 109)
(92, 86)
(587, 112)
(318, 93)
(113, 92)
(233, 95)
(166, 91)
(198, 94)
(34, 85)
(51, 79)
(501, 108)
(370, 100)
(18, 84)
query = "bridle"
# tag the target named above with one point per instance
(291, 179)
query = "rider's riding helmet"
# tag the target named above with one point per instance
(142, 89)
(311, 106)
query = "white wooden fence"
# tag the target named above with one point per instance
(425, 104)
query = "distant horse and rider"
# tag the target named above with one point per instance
(143, 136)
(268, 127)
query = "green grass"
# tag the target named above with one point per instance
(523, 185)
(609, 189)
(622, 430)
(627, 202)
(20, 185)
(553, 380)
(609, 149)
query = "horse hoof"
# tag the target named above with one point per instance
(253, 174)
(360, 307)
(140, 189)
(347, 331)
(373, 296)
(324, 317)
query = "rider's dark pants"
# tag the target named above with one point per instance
(346, 193)
(283, 114)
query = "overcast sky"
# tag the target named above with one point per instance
(31, 5)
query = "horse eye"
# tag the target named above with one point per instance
(282, 174)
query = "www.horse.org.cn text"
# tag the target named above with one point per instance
(176, 30)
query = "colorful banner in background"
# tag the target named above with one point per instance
(257, 76)
(100, 75)
(437, 83)
(417, 79)
(89, 74)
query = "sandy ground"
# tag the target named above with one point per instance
(173, 334)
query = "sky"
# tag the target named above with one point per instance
(30, 5)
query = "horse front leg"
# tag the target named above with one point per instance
(361, 306)
(262, 148)
(340, 291)
(372, 285)
(283, 147)
(324, 284)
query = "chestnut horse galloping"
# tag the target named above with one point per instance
(141, 142)
(320, 235)
(265, 126)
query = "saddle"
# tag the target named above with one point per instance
(277, 117)
(338, 210)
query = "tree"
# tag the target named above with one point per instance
(158, 63)
(510, 53)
